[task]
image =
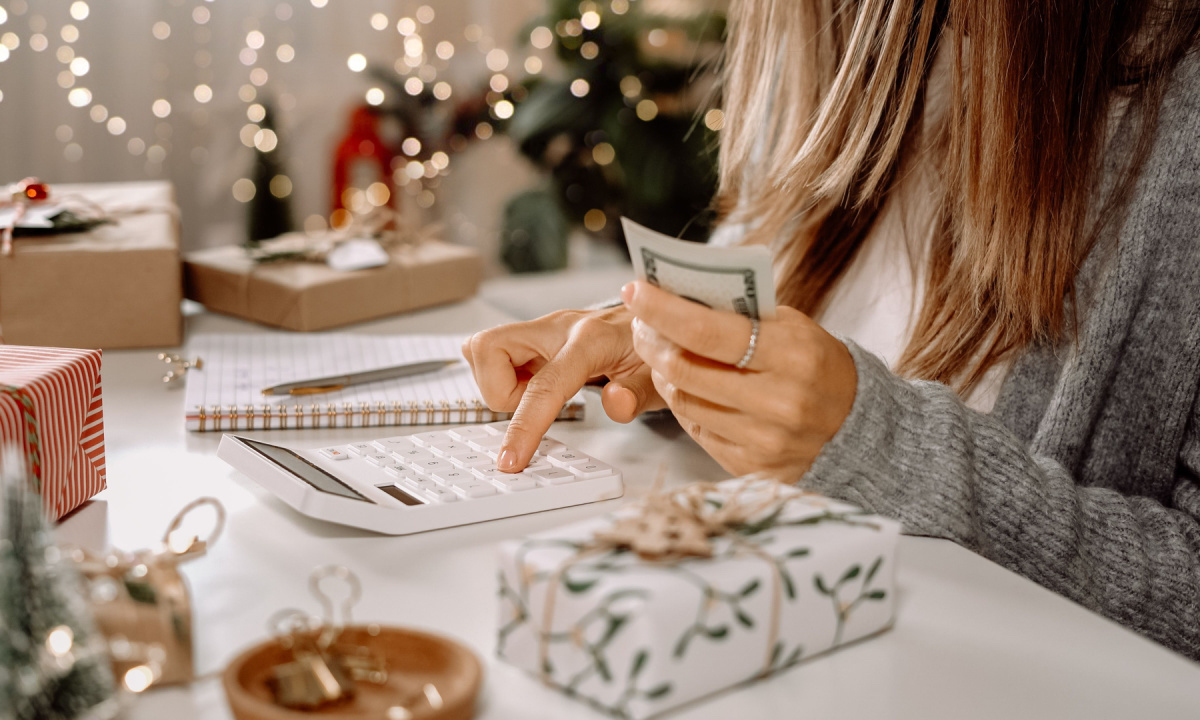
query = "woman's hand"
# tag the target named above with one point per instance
(532, 368)
(775, 415)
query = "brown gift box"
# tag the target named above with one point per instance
(301, 295)
(118, 286)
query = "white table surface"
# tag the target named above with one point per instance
(972, 640)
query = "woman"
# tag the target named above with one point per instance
(1022, 181)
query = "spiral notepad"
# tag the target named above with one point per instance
(226, 392)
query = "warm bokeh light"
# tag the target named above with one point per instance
(243, 190)
(604, 154)
(647, 110)
(595, 220)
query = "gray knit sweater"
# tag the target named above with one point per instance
(1086, 475)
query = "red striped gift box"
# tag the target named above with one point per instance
(51, 408)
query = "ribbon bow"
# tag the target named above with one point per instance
(382, 224)
(670, 526)
(142, 604)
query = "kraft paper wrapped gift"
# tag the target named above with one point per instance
(118, 286)
(635, 635)
(51, 409)
(303, 295)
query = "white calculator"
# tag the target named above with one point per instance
(413, 483)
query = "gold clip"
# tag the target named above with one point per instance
(182, 545)
(179, 366)
(332, 628)
(309, 680)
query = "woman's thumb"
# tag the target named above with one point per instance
(627, 397)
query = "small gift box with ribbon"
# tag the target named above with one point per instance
(52, 412)
(693, 591)
(90, 265)
(375, 267)
(142, 605)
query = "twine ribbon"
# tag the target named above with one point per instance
(671, 526)
(315, 248)
(149, 613)
(85, 208)
(382, 224)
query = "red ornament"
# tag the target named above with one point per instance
(362, 158)
(32, 190)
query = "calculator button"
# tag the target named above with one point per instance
(471, 460)
(432, 438)
(538, 463)
(454, 477)
(554, 476)
(363, 449)
(564, 458)
(412, 454)
(483, 444)
(462, 434)
(417, 483)
(430, 465)
(514, 483)
(399, 472)
(393, 444)
(593, 469)
(334, 453)
(381, 461)
(487, 473)
(549, 445)
(452, 449)
(475, 490)
(439, 494)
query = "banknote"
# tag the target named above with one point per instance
(733, 279)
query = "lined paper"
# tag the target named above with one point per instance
(226, 394)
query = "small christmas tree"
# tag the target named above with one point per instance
(53, 665)
(270, 211)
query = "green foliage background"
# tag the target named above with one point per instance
(664, 172)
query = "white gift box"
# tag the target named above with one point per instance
(637, 637)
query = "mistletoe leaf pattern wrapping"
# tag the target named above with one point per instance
(637, 636)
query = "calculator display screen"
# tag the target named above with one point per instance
(304, 470)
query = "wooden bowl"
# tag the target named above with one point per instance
(414, 658)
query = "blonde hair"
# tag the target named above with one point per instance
(823, 97)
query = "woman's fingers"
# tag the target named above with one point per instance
(540, 403)
(716, 382)
(496, 357)
(531, 369)
(730, 455)
(719, 336)
(628, 396)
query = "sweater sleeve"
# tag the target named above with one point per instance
(912, 451)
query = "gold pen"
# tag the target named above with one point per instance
(338, 382)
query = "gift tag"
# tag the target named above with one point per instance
(37, 216)
(357, 254)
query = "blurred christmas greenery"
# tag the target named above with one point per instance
(620, 132)
(619, 125)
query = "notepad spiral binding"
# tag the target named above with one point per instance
(217, 418)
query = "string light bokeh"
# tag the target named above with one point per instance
(219, 65)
